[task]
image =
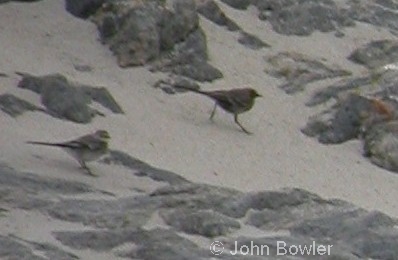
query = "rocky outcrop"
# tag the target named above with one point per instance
(290, 216)
(67, 100)
(296, 17)
(380, 13)
(371, 118)
(83, 8)
(171, 84)
(297, 70)
(376, 54)
(14, 106)
(293, 17)
(167, 34)
(212, 11)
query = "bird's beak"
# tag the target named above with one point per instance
(258, 95)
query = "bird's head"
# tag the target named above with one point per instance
(254, 93)
(103, 135)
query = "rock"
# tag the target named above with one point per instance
(298, 70)
(189, 59)
(212, 11)
(251, 41)
(381, 145)
(203, 222)
(292, 17)
(238, 4)
(345, 123)
(127, 213)
(186, 208)
(83, 8)
(167, 36)
(171, 84)
(157, 244)
(66, 100)
(102, 96)
(381, 13)
(5, 1)
(13, 248)
(142, 168)
(15, 106)
(376, 54)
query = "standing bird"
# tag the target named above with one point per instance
(234, 101)
(84, 149)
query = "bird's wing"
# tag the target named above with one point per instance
(88, 141)
(220, 96)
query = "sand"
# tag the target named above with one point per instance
(173, 132)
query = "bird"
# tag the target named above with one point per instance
(234, 101)
(86, 148)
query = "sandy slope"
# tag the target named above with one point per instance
(173, 132)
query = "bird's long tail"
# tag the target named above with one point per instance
(192, 90)
(48, 144)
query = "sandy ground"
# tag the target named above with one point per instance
(173, 132)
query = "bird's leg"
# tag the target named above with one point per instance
(239, 124)
(213, 112)
(85, 167)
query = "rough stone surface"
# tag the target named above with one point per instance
(251, 41)
(294, 216)
(203, 222)
(14, 106)
(83, 8)
(381, 145)
(166, 35)
(212, 11)
(351, 116)
(143, 169)
(66, 100)
(188, 59)
(296, 17)
(379, 12)
(376, 54)
(169, 85)
(298, 70)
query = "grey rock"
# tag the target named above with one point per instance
(169, 85)
(212, 11)
(5, 1)
(142, 169)
(165, 35)
(353, 114)
(130, 30)
(102, 96)
(345, 122)
(14, 106)
(83, 8)
(66, 100)
(298, 70)
(126, 213)
(251, 41)
(194, 208)
(376, 54)
(12, 249)
(238, 4)
(189, 59)
(298, 17)
(203, 222)
(334, 91)
(151, 245)
(379, 12)
(381, 145)
(49, 251)
(32, 183)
